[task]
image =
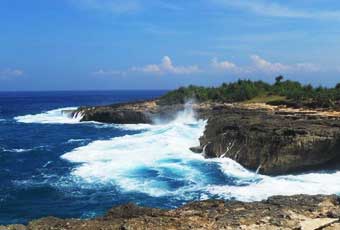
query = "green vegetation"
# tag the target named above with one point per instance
(281, 92)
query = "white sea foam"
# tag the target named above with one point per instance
(21, 150)
(47, 163)
(130, 127)
(56, 116)
(133, 127)
(312, 184)
(143, 162)
(254, 187)
(64, 116)
(76, 140)
(16, 150)
(158, 162)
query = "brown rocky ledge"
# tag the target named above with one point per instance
(270, 139)
(298, 212)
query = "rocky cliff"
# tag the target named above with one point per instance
(140, 112)
(273, 140)
(124, 113)
(270, 139)
(285, 213)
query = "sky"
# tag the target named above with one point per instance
(164, 44)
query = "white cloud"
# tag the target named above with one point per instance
(256, 65)
(266, 66)
(166, 67)
(259, 64)
(102, 72)
(155, 69)
(8, 73)
(270, 8)
(223, 65)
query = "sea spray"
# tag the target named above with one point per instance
(157, 161)
(55, 116)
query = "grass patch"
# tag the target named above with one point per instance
(266, 99)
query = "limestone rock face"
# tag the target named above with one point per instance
(273, 142)
(280, 212)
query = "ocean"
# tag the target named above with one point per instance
(53, 165)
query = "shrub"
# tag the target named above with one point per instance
(243, 90)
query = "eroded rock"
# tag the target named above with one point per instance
(269, 139)
(273, 143)
(279, 212)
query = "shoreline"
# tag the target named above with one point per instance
(293, 139)
(202, 214)
(279, 212)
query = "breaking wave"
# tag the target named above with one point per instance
(64, 116)
(155, 161)
(56, 116)
(260, 187)
(158, 162)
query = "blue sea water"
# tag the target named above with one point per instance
(53, 165)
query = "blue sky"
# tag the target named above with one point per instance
(163, 44)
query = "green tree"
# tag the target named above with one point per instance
(278, 79)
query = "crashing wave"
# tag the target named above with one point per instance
(64, 116)
(158, 162)
(56, 116)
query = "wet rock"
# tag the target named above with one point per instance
(197, 149)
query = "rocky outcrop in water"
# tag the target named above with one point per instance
(124, 113)
(285, 213)
(276, 141)
(270, 139)
(142, 112)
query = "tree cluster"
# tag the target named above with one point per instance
(287, 92)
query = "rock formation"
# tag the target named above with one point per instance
(128, 113)
(270, 139)
(273, 141)
(285, 213)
